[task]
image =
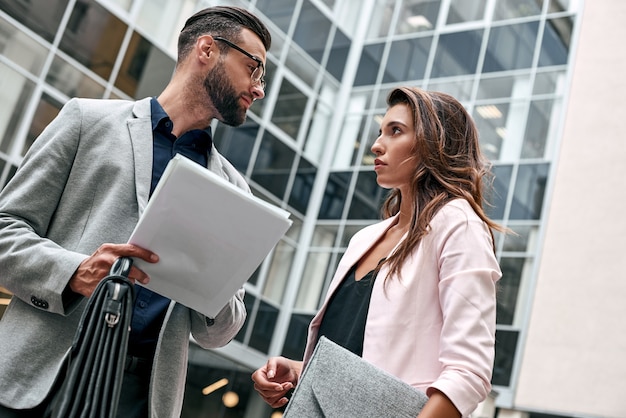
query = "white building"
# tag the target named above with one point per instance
(543, 80)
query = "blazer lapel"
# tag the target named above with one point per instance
(140, 130)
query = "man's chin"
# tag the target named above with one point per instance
(235, 120)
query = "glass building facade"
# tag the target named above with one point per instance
(306, 146)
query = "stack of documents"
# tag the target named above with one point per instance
(210, 236)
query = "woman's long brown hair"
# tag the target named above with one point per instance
(449, 165)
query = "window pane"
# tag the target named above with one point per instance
(15, 94)
(295, 341)
(508, 9)
(460, 88)
(511, 47)
(524, 240)
(163, 20)
(530, 187)
(248, 300)
(557, 6)
(47, 109)
(125, 4)
(504, 87)
(93, 37)
(312, 31)
(207, 367)
(551, 82)
(371, 56)
(236, 144)
(41, 17)
(335, 195)
(315, 141)
(302, 185)
(491, 122)
(407, 60)
(264, 325)
(146, 69)
(368, 197)
(278, 272)
(338, 54)
(313, 278)
(301, 64)
(506, 344)
(324, 236)
(3, 163)
(497, 196)
(538, 126)
(508, 289)
(557, 36)
(12, 170)
(71, 81)
(457, 53)
(289, 108)
(279, 12)
(381, 18)
(418, 15)
(366, 141)
(465, 11)
(273, 165)
(20, 48)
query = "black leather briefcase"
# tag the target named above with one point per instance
(95, 369)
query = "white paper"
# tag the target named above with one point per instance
(210, 236)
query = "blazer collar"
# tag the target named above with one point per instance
(140, 131)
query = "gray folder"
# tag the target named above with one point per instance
(339, 384)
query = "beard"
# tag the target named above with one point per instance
(224, 97)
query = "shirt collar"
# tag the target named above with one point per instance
(158, 113)
(203, 137)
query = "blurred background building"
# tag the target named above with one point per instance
(544, 81)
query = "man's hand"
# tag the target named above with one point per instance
(98, 265)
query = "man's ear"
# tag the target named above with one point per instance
(206, 49)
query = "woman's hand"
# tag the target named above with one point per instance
(276, 378)
(439, 406)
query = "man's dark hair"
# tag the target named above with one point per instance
(220, 21)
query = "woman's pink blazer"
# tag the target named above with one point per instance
(433, 327)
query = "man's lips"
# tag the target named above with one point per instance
(248, 101)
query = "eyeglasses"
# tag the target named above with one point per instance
(259, 71)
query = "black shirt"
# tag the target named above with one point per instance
(346, 313)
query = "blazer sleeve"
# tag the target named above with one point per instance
(35, 268)
(468, 272)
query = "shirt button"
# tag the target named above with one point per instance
(142, 304)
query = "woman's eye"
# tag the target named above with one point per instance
(396, 130)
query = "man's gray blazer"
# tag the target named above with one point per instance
(85, 182)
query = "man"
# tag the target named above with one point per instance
(81, 190)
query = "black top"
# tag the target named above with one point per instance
(346, 313)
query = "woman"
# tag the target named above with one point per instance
(415, 294)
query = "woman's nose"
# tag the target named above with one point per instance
(376, 148)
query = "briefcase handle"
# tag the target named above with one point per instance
(121, 267)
